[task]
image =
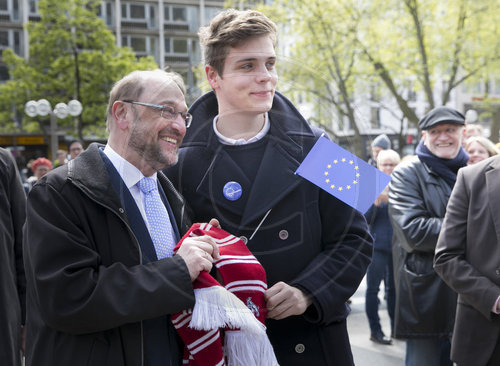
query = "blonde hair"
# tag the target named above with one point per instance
(484, 142)
(388, 154)
(231, 28)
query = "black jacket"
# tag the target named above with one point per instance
(425, 305)
(309, 240)
(12, 280)
(89, 291)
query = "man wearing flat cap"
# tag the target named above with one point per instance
(418, 195)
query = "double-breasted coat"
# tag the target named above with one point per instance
(306, 237)
(468, 259)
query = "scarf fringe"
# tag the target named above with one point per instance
(216, 307)
(244, 350)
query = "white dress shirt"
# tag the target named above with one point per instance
(131, 176)
(229, 141)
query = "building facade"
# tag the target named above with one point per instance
(166, 30)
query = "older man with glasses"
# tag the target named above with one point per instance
(100, 233)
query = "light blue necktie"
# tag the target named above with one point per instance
(160, 227)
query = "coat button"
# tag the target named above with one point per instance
(283, 234)
(121, 210)
(244, 239)
(498, 271)
(300, 348)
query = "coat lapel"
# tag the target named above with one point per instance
(493, 189)
(275, 177)
(274, 180)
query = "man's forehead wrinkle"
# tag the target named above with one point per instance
(161, 87)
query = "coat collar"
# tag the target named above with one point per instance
(492, 175)
(98, 184)
(276, 175)
(283, 116)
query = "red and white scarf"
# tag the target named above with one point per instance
(238, 308)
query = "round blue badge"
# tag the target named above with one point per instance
(232, 191)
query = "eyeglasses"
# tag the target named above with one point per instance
(167, 112)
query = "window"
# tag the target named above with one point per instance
(176, 46)
(138, 44)
(137, 12)
(10, 39)
(33, 6)
(4, 5)
(142, 45)
(179, 14)
(181, 17)
(139, 15)
(4, 39)
(180, 46)
(4, 73)
(109, 14)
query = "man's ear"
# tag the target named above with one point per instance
(212, 77)
(121, 115)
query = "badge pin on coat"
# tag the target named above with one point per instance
(232, 191)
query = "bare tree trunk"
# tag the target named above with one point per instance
(412, 6)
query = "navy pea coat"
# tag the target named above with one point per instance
(309, 239)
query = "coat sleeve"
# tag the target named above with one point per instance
(17, 212)
(74, 290)
(451, 261)
(415, 228)
(335, 273)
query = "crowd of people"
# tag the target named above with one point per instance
(101, 264)
(421, 299)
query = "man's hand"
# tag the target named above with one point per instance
(283, 300)
(215, 223)
(199, 253)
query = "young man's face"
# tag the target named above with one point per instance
(249, 78)
(444, 140)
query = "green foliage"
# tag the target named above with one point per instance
(72, 55)
(340, 48)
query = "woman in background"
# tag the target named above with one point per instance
(479, 148)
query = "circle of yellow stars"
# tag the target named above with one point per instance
(347, 186)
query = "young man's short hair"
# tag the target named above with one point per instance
(231, 28)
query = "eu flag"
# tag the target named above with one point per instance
(343, 174)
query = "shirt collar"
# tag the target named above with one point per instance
(229, 141)
(128, 172)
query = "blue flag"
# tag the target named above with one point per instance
(343, 174)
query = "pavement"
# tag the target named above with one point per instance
(366, 352)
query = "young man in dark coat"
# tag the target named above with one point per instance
(418, 194)
(238, 165)
(12, 280)
(101, 288)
